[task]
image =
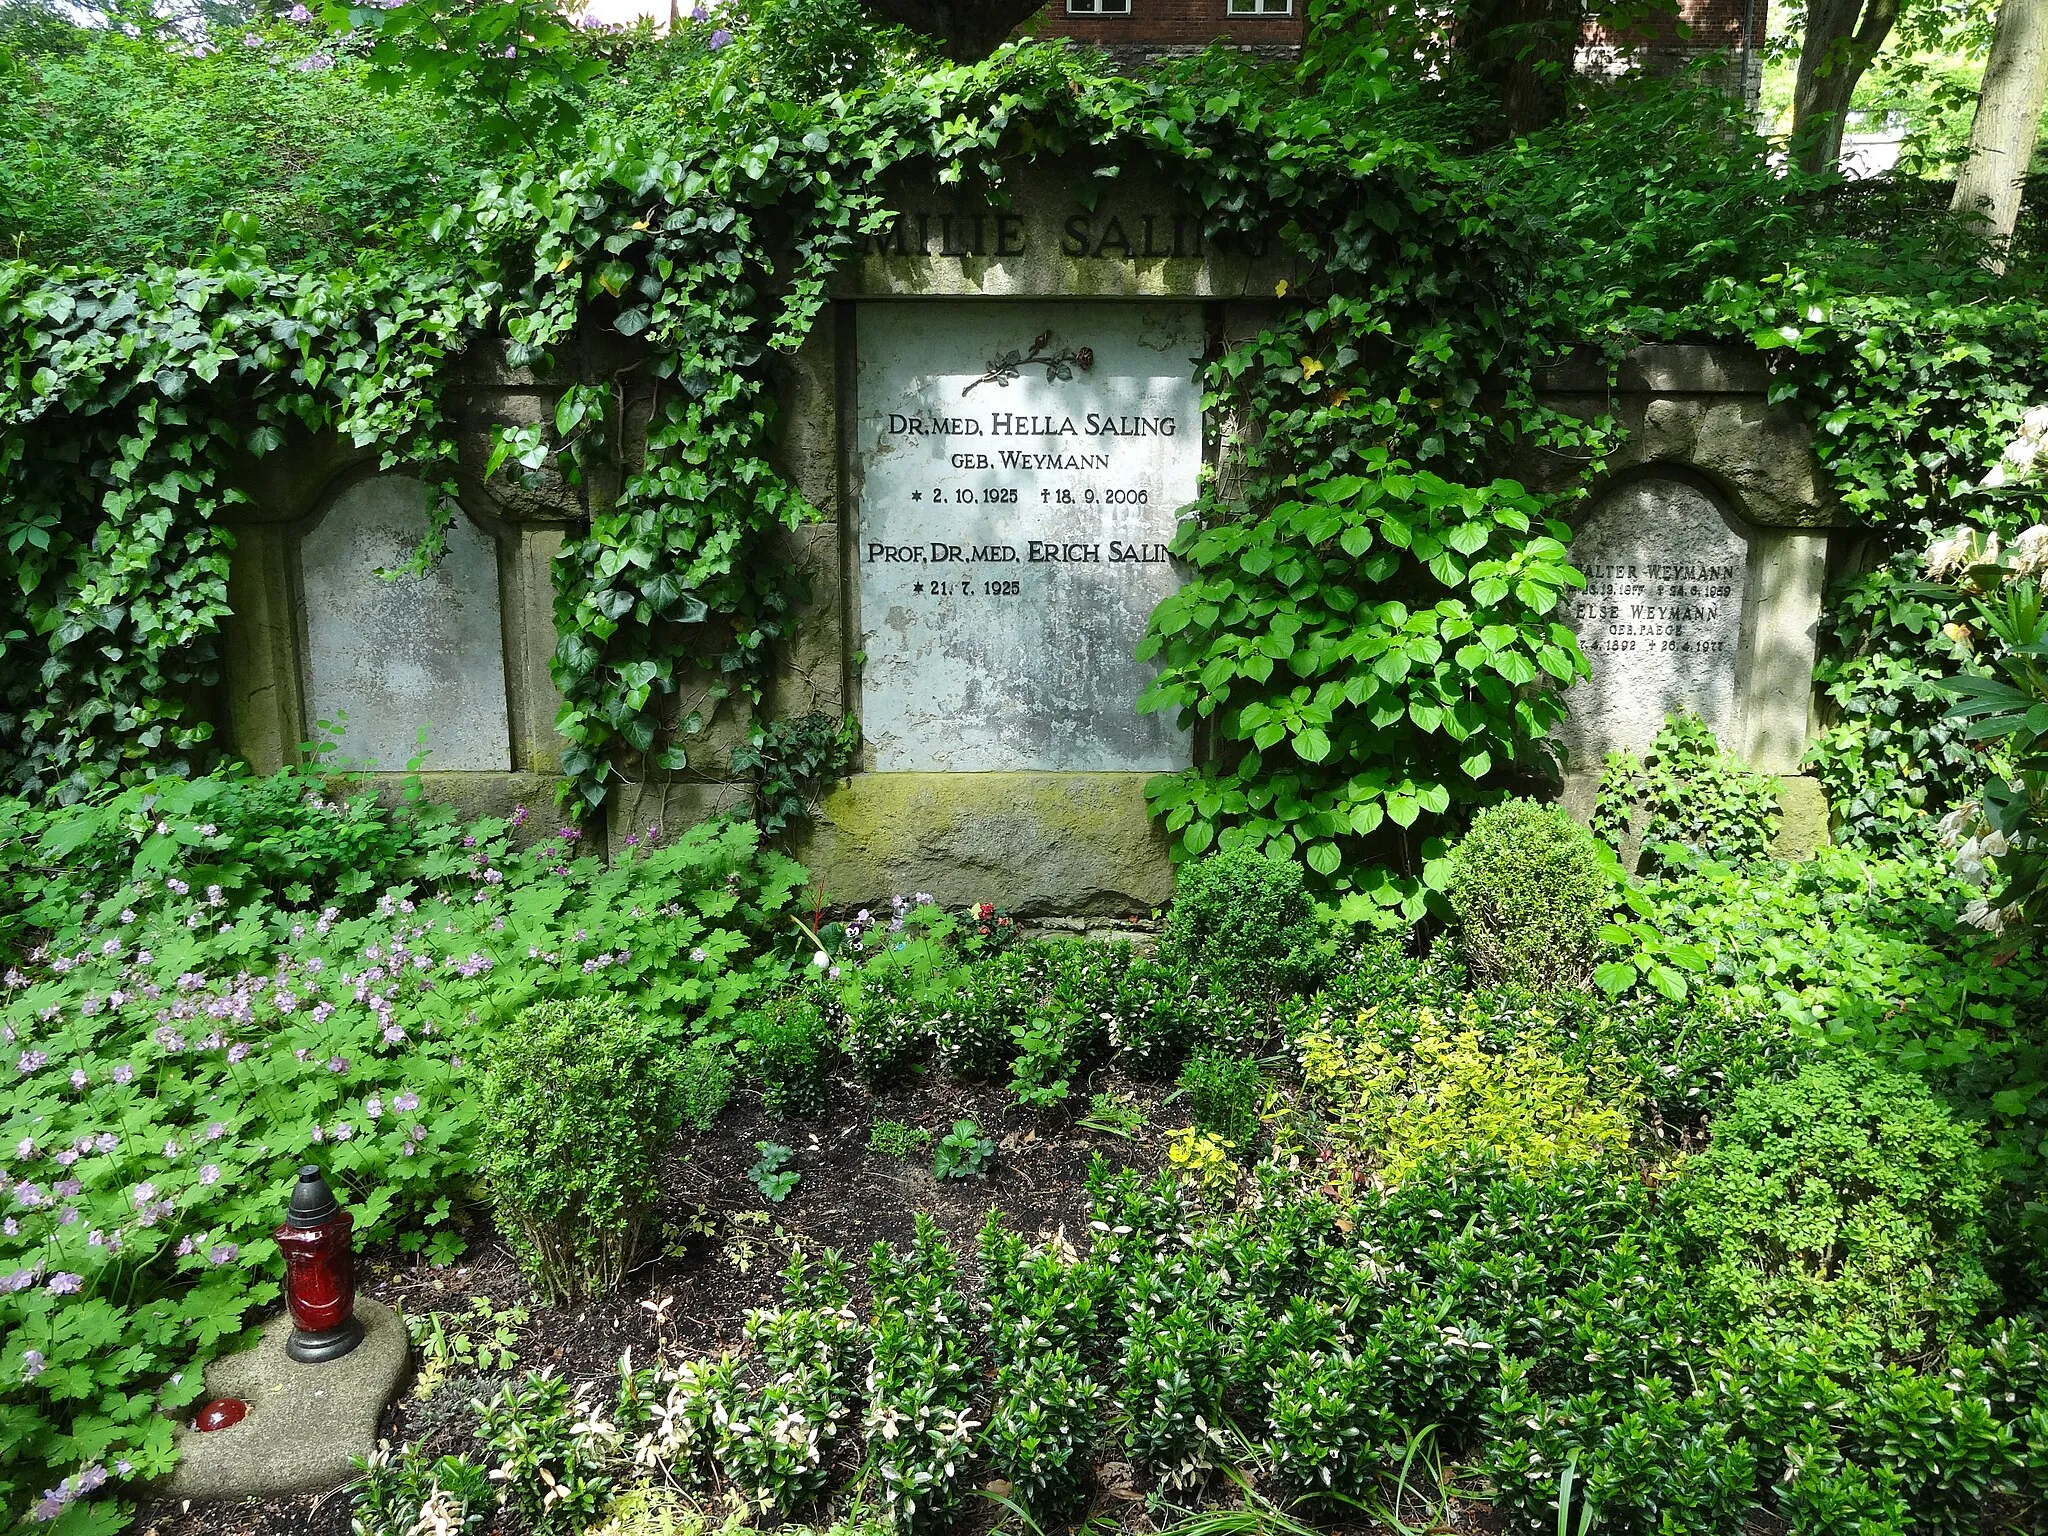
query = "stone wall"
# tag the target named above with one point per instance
(1711, 520)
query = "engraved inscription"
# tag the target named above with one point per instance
(1016, 501)
(1660, 618)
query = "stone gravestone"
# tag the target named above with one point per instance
(407, 652)
(1660, 618)
(1018, 467)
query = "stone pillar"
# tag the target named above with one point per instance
(526, 579)
(1787, 570)
(266, 714)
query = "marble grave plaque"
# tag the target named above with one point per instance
(1018, 468)
(1660, 618)
(407, 652)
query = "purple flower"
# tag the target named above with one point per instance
(718, 40)
(124, 1073)
(393, 1034)
(78, 1077)
(252, 41)
(210, 1174)
(221, 1253)
(63, 1284)
(20, 1280)
(186, 1245)
(373, 1106)
(32, 1364)
(32, 1061)
(298, 13)
(239, 1051)
(313, 63)
(406, 1102)
(698, 956)
(343, 1130)
(337, 1065)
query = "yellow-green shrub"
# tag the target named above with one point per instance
(1445, 1092)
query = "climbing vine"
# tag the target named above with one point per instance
(1372, 640)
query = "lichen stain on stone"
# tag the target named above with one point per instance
(1031, 842)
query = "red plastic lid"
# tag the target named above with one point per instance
(220, 1414)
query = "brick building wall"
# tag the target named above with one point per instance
(1667, 43)
(1149, 29)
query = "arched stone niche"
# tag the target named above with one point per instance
(395, 655)
(1661, 618)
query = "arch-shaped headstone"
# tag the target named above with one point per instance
(410, 651)
(1660, 618)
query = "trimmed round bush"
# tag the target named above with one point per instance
(1243, 924)
(1530, 890)
(1847, 1195)
(581, 1099)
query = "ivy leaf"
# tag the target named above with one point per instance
(631, 322)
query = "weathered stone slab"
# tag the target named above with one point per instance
(306, 1423)
(1660, 619)
(412, 651)
(1012, 529)
(1032, 843)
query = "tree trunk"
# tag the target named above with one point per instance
(1842, 37)
(2007, 119)
(1524, 50)
(967, 30)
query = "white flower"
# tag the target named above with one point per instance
(821, 959)
(1981, 914)
(2030, 552)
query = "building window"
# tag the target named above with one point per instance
(1098, 7)
(1260, 7)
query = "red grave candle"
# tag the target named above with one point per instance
(319, 1272)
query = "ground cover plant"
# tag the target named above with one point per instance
(207, 982)
(1765, 1246)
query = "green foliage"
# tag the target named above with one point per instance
(922, 1375)
(149, 141)
(1687, 790)
(787, 762)
(790, 1048)
(771, 1172)
(404, 1491)
(1529, 887)
(1113, 1114)
(546, 1453)
(2001, 829)
(887, 1033)
(1891, 760)
(963, 1153)
(705, 1081)
(1846, 1196)
(580, 1101)
(1225, 1094)
(893, 1139)
(1342, 707)
(1848, 950)
(1242, 922)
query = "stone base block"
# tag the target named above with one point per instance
(1802, 815)
(306, 1425)
(1074, 844)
